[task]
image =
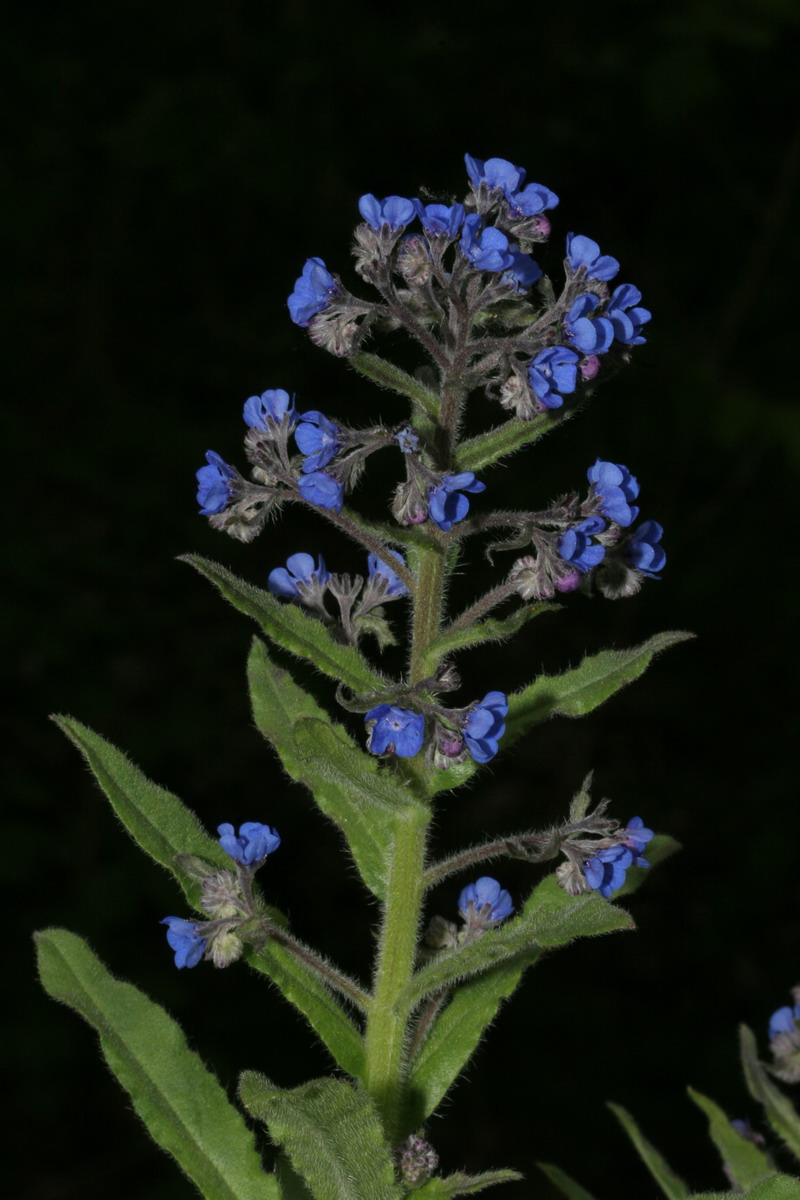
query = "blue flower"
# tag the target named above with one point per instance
(439, 219)
(407, 440)
(616, 487)
(590, 336)
(395, 731)
(185, 940)
(487, 249)
(394, 211)
(636, 837)
(313, 292)
(316, 437)
(322, 490)
(605, 873)
(488, 898)
(395, 585)
(215, 484)
(275, 404)
(643, 551)
(446, 503)
(783, 1020)
(485, 726)
(576, 547)
(251, 847)
(299, 568)
(583, 252)
(552, 372)
(533, 199)
(495, 172)
(523, 272)
(625, 315)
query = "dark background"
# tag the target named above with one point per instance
(169, 169)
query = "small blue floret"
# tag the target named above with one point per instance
(395, 731)
(322, 489)
(446, 503)
(300, 568)
(616, 487)
(643, 550)
(626, 315)
(275, 404)
(583, 252)
(577, 548)
(554, 371)
(485, 725)
(185, 940)
(394, 211)
(214, 484)
(252, 845)
(488, 898)
(394, 584)
(318, 439)
(313, 292)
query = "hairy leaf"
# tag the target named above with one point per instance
(332, 1133)
(568, 1187)
(781, 1113)
(388, 375)
(671, 1184)
(292, 629)
(744, 1160)
(180, 1101)
(777, 1187)
(442, 1188)
(489, 447)
(492, 629)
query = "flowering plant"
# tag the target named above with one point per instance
(461, 282)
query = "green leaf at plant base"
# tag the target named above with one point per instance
(292, 629)
(545, 927)
(457, 1030)
(781, 1113)
(156, 819)
(671, 1184)
(777, 1187)
(169, 832)
(180, 1101)
(568, 1187)
(332, 1133)
(579, 691)
(442, 1188)
(746, 1163)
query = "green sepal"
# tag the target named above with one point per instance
(568, 1187)
(781, 1113)
(442, 1188)
(427, 403)
(671, 1184)
(457, 1030)
(157, 820)
(489, 447)
(349, 786)
(170, 833)
(332, 1133)
(777, 1187)
(292, 629)
(746, 1163)
(579, 691)
(180, 1101)
(492, 629)
(544, 927)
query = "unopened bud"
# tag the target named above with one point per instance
(418, 1161)
(334, 330)
(589, 366)
(413, 260)
(408, 506)
(616, 580)
(225, 948)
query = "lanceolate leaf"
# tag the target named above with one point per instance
(332, 1133)
(288, 626)
(777, 1187)
(385, 373)
(161, 823)
(463, 1185)
(781, 1113)
(578, 692)
(671, 1184)
(744, 1160)
(487, 448)
(180, 1101)
(166, 829)
(459, 1027)
(568, 1187)
(493, 629)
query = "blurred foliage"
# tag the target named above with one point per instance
(168, 168)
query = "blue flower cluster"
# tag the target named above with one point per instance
(401, 731)
(501, 175)
(485, 898)
(605, 872)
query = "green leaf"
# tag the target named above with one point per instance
(156, 819)
(180, 1101)
(463, 1185)
(292, 629)
(166, 830)
(493, 629)
(332, 1134)
(457, 1030)
(380, 371)
(782, 1115)
(777, 1187)
(487, 448)
(571, 1189)
(671, 1184)
(746, 1163)
(577, 692)
(545, 927)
